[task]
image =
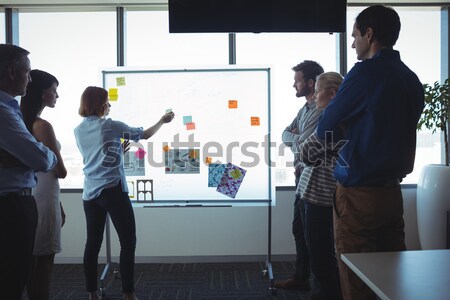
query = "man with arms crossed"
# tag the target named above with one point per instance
(301, 127)
(378, 106)
(20, 156)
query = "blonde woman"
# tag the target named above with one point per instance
(316, 189)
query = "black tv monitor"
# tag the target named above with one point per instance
(257, 16)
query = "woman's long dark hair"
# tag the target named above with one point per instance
(31, 103)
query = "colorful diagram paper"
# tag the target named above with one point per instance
(231, 180)
(182, 161)
(133, 165)
(215, 173)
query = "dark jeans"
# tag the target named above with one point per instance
(117, 204)
(302, 267)
(18, 221)
(318, 223)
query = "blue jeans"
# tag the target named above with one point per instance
(302, 267)
(117, 204)
(318, 221)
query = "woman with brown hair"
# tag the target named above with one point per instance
(105, 190)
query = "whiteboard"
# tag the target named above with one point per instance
(230, 110)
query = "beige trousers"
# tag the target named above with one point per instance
(366, 219)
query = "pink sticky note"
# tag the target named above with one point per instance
(190, 126)
(140, 153)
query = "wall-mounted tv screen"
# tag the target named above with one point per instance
(257, 16)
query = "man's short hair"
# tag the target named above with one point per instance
(309, 68)
(10, 55)
(384, 22)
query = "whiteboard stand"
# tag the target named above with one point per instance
(268, 267)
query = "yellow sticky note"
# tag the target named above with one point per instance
(254, 121)
(166, 148)
(120, 81)
(122, 140)
(236, 174)
(232, 104)
(113, 94)
(190, 126)
(208, 160)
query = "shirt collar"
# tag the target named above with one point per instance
(5, 98)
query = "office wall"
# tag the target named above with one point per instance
(179, 234)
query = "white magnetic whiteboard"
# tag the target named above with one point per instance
(222, 113)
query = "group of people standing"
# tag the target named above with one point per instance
(354, 141)
(31, 214)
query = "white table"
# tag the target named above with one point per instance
(405, 275)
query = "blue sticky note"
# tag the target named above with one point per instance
(187, 119)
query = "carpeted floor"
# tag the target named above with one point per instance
(223, 281)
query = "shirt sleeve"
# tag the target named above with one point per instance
(288, 137)
(122, 130)
(347, 103)
(308, 129)
(21, 144)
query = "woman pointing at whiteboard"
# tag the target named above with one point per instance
(105, 189)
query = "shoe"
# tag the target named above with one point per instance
(292, 283)
(130, 296)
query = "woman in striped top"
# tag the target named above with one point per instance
(316, 188)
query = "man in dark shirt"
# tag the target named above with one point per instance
(378, 106)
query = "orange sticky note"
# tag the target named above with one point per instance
(166, 148)
(208, 160)
(254, 121)
(190, 126)
(193, 154)
(113, 94)
(232, 104)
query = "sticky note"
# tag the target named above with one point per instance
(232, 104)
(140, 153)
(208, 160)
(190, 126)
(193, 154)
(254, 121)
(169, 110)
(122, 140)
(120, 81)
(187, 119)
(113, 94)
(236, 174)
(166, 148)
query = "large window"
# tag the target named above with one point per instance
(2, 27)
(73, 46)
(419, 47)
(149, 43)
(280, 52)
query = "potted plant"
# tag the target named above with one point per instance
(433, 187)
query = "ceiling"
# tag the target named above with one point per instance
(143, 2)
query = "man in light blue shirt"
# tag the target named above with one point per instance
(20, 156)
